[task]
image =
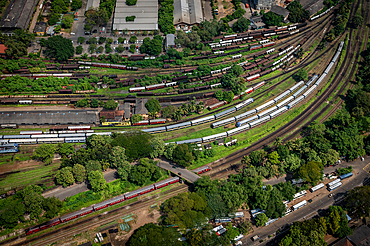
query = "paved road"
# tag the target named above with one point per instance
(321, 201)
(180, 171)
(61, 193)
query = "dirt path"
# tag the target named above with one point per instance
(34, 19)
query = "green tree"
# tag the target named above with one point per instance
(169, 111)
(168, 152)
(79, 173)
(261, 219)
(301, 74)
(94, 103)
(158, 147)
(357, 21)
(228, 96)
(44, 153)
(131, 2)
(154, 235)
(136, 144)
(93, 165)
(358, 200)
(110, 104)
(82, 103)
(76, 4)
(66, 149)
(67, 21)
(81, 40)
(97, 17)
(133, 39)
(140, 174)
(287, 190)
(12, 214)
(118, 158)
(51, 206)
(33, 204)
(79, 50)
(311, 172)
(182, 155)
(297, 12)
(272, 19)
(92, 48)
(93, 40)
(97, 181)
(59, 48)
(121, 40)
(132, 48)
(136, 118)
(241, 25)
(58, 28)
(120, 49)
(153, 106)
(64, 177)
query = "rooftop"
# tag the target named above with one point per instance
(2, 48)
(18, 14)
(40, 27)
(170, 40)
(92, 4)
(280, 10)
(187, 12)
(140, 106)
(360, 236)
(145, 11)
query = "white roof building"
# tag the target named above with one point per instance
(187, 12)
(145, 11)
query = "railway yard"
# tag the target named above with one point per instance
(273, 105)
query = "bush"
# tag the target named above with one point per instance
(130, 18)
(131, 2)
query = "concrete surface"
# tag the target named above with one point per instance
(178, 170)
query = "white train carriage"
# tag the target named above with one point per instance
(189, 141)
(215, 85)
(322, 77)
(245, 115)
(31, 133)
(75, 140)
(23, 141)
(300, 91)
(223, 122)
(309, 82)
(45, 136)
(264, 41)
(295, 87)
(266, 105)
(225, 69)
(136, 89)
(309, 91)
(50, 140)
(237, 56)
(253, 77)
(214, 137)
(237, 130)
(243, 104)
(246, 121)
(202, 120)
(270, 51)
(259, 121)
(282, 96)
(285, 102)
(170, 84)
(71, 135)
(25, 101)
(279, 112)
(267, 112)
(295, 102)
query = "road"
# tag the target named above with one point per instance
(61, 193)
(178, 170)
(321, 201)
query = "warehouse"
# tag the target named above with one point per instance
(145, 14)
(187, 13)
(49, 117)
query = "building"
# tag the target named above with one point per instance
(50, 31)
(94, 4)
(256, 22)
(280, 11)
(170, 41)
(112, 115)
(187, 13)
(127, 109)
(360, 236)
(40, 28)
(17, 15)
(140, 107)
(145, 12)
(2, 50)
(263, 4)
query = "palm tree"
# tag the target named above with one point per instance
(277, 142)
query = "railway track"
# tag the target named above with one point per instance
(294, 124)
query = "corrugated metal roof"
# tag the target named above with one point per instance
(187, 11)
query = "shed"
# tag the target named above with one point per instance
(50, 31)
(280, 11)
(208, 146)
(40, 28)
(170, 41)
(140, 107)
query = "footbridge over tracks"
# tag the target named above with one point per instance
(179, 171)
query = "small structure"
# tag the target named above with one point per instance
(280, 11)
(220, 142)
(109, 115)
(208, 146)
(40, 28)
(263, 4)
(170, 41)
(256, 22)
(140, 107)
(127, 109)
(360, 236)
(2, 50)
(50, 31)
(187, 13)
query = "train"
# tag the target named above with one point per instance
(108, 65)
(102, 205)
(8, 147)
(322, 14)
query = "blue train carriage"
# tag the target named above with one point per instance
(9, 148)
(344, 176)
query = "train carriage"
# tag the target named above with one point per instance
(157, 121)
(214, 137)
(302, 89)
(223, 122)
(246, 121)
(75, 140)
(166, 182)
(202, 120)
(30, 132)
(178, 126)
(237, 130)
(201, 169)
(259, 121)
(76, 128)
(155, 130)
(267, 112)
(295, 102)
(281, 96)
(190, 141)
(224, 113)
(266, 105)
(279, 111)
(50, 140)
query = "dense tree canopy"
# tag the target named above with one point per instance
(153, 235)
(358, 200)
(59, 48)
(152, 47)
(136, 144)
(182, 155)
(272, 19)
(297, 12)
(45, 153)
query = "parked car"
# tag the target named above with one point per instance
(330, 195)
(310, 200)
